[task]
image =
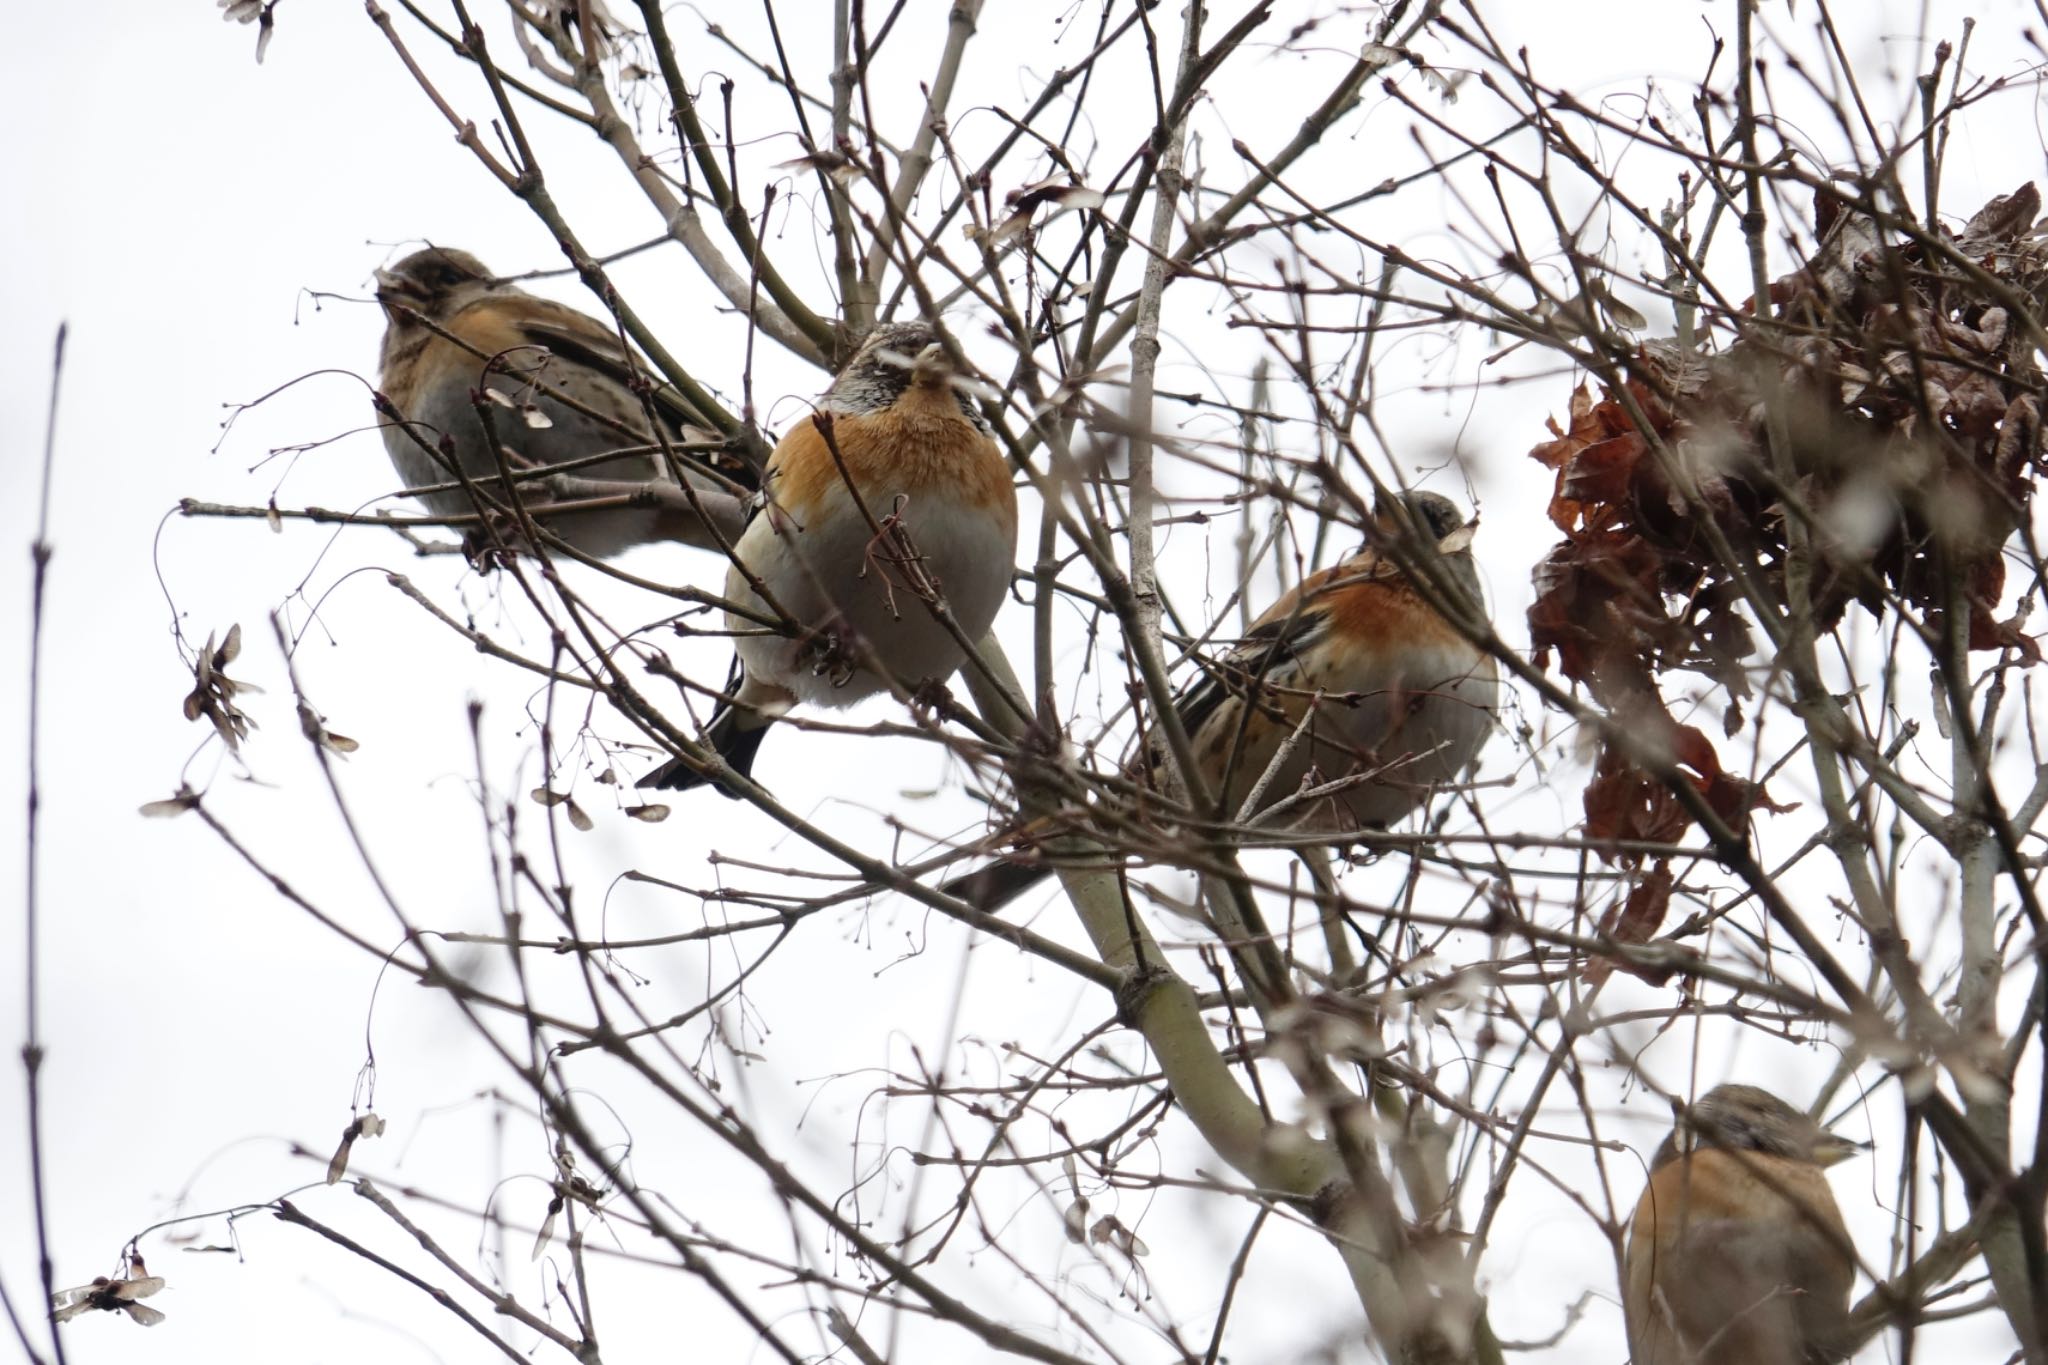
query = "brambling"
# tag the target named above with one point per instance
(562, 384)
(1389, 700)
(891, 499)
(1737, 1254)
(1349, 702)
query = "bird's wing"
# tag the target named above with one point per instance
(582, 340)
(1277, 641)
(1284, 635)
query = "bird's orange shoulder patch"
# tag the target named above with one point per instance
(1304, 599)
(415, 356)
(1370, 601)
(494, 330)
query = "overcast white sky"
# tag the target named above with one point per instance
(174, 203)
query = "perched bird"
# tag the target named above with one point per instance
(1385, 691)
(852, 550)
(1737, 1254)
(559, 384)
(1363, 685)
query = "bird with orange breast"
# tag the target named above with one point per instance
(1382, 699)
(1350, 702)
(883, 538)
(1737, 1254)
(561, 387)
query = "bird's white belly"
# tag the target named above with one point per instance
(836, 573)
(1404, 736)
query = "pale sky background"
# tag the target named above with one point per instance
(175, 203)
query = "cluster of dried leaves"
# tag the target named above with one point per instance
(112, 1294)
(1877, 437)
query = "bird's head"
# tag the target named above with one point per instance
(1431, 517)
(895, 358)
(432, 282)
(1746, 1118)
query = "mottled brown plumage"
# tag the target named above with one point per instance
(563, 387)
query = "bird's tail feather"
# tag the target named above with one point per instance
(990, 888)
(735, 733)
